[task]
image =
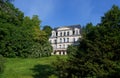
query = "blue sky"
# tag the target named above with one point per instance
(66, 12)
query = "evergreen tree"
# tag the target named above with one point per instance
(48, 30)
(98, 52)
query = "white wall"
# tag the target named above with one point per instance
(53, 33)
(71, 38)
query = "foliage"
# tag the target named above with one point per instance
(21, 36)
(10, 14)
(71, 49)
(61, 67)
(39, 50)
(48, 30)
(98, 52)
(86, 29)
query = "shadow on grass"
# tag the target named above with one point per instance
(42, 71)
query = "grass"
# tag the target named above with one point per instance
(30, 68)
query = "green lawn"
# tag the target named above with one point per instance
(30, 68)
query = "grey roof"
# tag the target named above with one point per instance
(70, 26)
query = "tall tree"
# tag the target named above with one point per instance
(86, 29)
(20, 36)
(98, 53)
(48, 30)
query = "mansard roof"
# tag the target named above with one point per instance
(70, 26)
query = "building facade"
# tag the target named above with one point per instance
(64, 36)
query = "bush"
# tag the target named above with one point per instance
(72, 49)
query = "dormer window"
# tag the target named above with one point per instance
(76, 32)
(53, 34)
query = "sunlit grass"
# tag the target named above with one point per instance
(29, 67)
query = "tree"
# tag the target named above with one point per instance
(96, 48)
(87, 28)
(48, 30)
(110, 21)
(111, 18)
(41, 50)
(98, 53)
(10, 14)
(71, 49)
(21, 36)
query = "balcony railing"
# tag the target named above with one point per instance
(66, 36)
(60, 49)
(65, 42)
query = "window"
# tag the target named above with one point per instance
(73, 32)
(60, 33)
(55, 41)
(76, 32)
(77, 39)
(64, 46)
(67, 33)
(67, 39)
(64, 40)
(56, 34)
(79, 31)
(60, 40)
(74, 40)
(64, 33)
(52, 34)
(60, 46)
(54, 47)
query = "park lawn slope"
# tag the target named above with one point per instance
(30, 67)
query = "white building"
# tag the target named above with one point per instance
(64, 36)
